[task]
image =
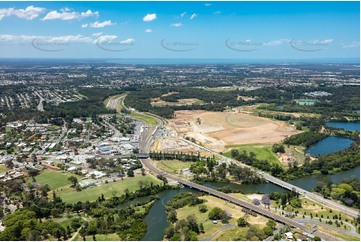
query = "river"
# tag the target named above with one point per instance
(157, 221)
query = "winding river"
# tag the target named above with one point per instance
(157, 221)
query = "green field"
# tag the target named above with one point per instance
(305, 101)
(3, 168)
(55, 179)
(263, 152)
(173, 166)
(145, 118)
(99, 237)
(70, 195)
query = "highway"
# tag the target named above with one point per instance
(326, 202)
(147, 139)
(258, 209)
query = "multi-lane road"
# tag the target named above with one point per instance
(326, 202)
(257, 209)
(147, 138)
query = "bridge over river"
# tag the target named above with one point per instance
(246, 205)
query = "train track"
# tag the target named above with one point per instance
(248, 206)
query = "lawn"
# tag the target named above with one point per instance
(3, 168)
(145, 118)
(55, 179)
(173, 166)
(99, 237)
(263, 152)
(211, 228)
(110, 189)
(337, 234)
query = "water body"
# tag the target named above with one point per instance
(329, 145)
(309, 182)
(352, 126)
(156, 219)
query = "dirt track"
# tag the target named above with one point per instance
(218, 129)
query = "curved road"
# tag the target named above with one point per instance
(308, 221)
(265, 212)
(148, 139)
(332, 204)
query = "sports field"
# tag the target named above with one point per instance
(110, 189)
(262, 152)
(55, 179)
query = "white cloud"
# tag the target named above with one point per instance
(217, 12)
(354, 44)
(127, 41)
(176, 25)
(277, 42)
(183, 14)
(89, 13)
(30, 38)
(105, 38)
(97, 34)
(148, 31)
(97, 24)
(207, 4)
(193, 16)
(150, 17)
(71, 38)
(28, 13)
(65, 14)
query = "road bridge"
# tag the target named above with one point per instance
(251, 207)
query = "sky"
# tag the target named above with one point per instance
(206, 30)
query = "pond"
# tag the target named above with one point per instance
(329, 145)
(352, 126)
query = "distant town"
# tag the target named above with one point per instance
(96, 151)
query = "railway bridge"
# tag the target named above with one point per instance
(246, 205)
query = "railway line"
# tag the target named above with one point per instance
(249, 206)
(147, 139)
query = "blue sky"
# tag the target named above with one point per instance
(227, 30)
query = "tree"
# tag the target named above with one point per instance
(73, 180)
(274, 196)
(268, 231)
(192, 223)
(130, 173)
(202, 208)
(143, 171)
(296, 203)
(215, 213)
(272, 224)
(278, 148)
(242, 222)
(169, 232)
(201, 228)
(191, 236)
(172, 216)
(75, 223)
(317, 238)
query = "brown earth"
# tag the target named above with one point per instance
(215, 130)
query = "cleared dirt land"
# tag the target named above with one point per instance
(215, 130)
